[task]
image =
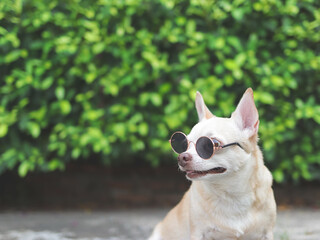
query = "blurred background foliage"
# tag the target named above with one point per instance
(110, 80)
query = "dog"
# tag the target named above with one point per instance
(231, 194)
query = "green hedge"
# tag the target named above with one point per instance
(109, 80)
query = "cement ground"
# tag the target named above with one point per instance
(292, 224)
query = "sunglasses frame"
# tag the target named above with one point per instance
(215, 148)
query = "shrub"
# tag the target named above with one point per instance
(110, 79)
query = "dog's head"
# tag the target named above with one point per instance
(240, 128)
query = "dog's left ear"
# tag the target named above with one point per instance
(202, 109)
(246, 114)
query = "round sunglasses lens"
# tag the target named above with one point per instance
(179, 142)
(204, 147)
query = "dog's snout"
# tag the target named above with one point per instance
(184, 158)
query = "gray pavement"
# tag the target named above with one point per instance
(294, 224)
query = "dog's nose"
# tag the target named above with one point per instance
(184, 158)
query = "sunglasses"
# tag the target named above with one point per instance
(205, 146)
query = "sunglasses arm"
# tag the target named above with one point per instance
(230, 144)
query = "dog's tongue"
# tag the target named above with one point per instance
(195, 174)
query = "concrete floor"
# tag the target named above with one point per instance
(293, 224)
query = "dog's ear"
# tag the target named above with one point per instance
(246, 114)
(203, 111)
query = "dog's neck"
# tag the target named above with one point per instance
(236, 186)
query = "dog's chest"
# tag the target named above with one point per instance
(221, 226)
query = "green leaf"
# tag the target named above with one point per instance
(13, 56)
(76, 153)
(46, 83)
(277, 81)
(156, 99)
(3, 130)
(220, 43)
(55, 164)
(265, 97)
(60, 92)
(230, 64)
(278, 176)
(65, 107)
(143, 129)
(238, 14)
(113, 89)
(23, 169)
(34, 129)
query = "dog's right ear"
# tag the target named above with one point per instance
(203, 111)
(246, 114)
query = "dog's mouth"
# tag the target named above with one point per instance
(196, 174)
